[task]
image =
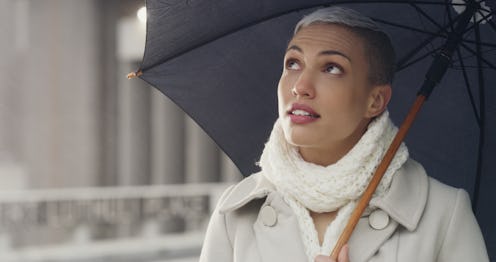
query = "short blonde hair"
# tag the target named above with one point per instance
(378, 47)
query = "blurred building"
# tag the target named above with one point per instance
(93, 166)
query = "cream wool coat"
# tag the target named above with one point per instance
(423, 220)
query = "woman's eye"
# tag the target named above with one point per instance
(292, 65)
(333, 69)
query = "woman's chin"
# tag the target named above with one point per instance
(301, 141)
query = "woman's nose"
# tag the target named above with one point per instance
(304, 86)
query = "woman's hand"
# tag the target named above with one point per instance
(342, 257)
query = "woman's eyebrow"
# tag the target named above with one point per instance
(334, 52)
(295, 47)
(325, 52)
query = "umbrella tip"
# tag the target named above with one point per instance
(134, 74)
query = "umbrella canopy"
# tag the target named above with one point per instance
(221, 60)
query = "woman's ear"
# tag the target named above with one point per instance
(378, 100)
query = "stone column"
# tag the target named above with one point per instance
(14, 29)
(59, 94)
(134, 98)
(108, 16)
(202, 155)
(133, 129)
(167, 140)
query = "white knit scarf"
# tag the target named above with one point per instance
(307, 186)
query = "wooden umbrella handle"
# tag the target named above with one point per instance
(379, 173)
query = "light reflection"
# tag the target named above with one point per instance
(142, 14)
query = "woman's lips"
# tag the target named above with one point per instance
(302, 114)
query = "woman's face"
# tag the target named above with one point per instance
(324, 94)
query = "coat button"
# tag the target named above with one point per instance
(378, 219)
(268, 216)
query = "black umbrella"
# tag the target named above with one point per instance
(220, 61)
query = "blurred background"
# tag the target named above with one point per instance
(93, 166)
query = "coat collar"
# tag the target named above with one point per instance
(406, 199)
(404, 202)
(253, 187)
(268, 239)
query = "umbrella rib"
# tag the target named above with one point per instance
(484, 17)
(451, 22)
(418, 59)
(415, 50)
(481, 43)
(423, 13)
(450, 18)
(482, 106)
(410, 28)
(469, 66)
(481, 8)
(478, 56)
(467, 85)
(492, 24)
(469, 56)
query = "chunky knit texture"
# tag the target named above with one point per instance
(306, 186)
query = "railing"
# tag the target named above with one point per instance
(83, 220)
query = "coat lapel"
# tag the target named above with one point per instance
(278, 242)
(404, 203)
(366, 241)
(282, 241)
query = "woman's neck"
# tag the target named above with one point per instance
(321, 222)
(325, 156)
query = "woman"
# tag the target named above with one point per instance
(332, 132)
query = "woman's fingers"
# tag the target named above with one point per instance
(322, 258)
(343, 254)
(342, 257)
